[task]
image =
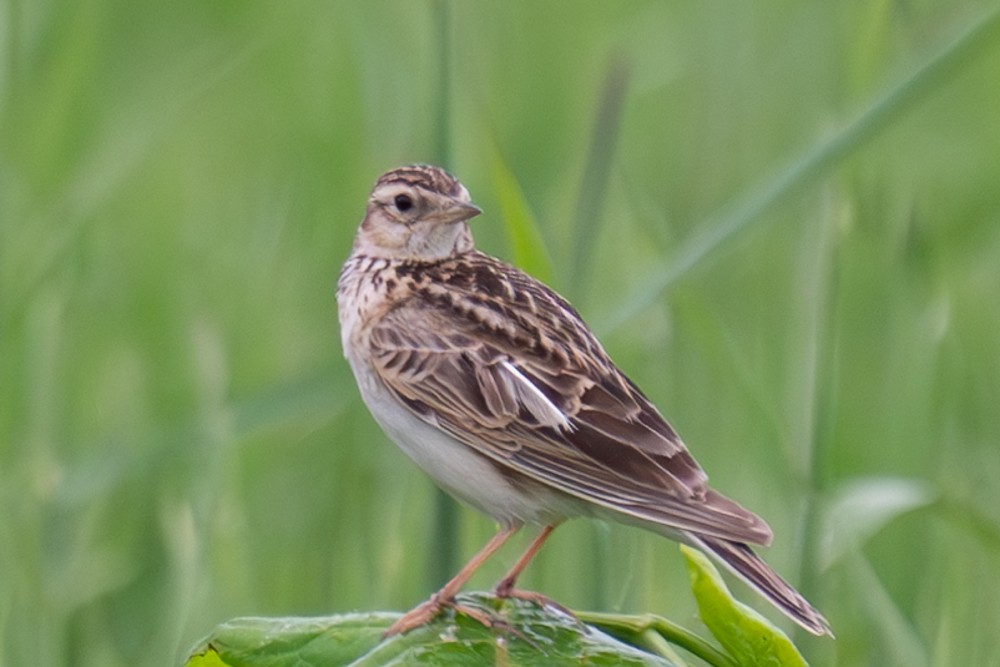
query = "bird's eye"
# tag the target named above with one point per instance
(403, 203)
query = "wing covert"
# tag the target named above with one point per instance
(571, 421)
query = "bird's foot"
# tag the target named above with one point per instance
(425, 612)
(422, 614)
(506, 591)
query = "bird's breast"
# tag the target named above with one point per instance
(363, 291)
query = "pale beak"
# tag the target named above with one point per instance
(457, 211)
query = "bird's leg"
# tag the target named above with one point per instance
(424, 612)
(505, 587)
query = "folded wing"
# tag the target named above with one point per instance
(534, 391)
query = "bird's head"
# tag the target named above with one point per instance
(417, 213)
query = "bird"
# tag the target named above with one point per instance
(497, 389)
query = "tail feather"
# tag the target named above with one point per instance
(744, 563)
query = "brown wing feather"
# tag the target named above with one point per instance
(533, 389)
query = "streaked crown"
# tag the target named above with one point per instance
(426, 177)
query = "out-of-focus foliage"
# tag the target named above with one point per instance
(181, 442)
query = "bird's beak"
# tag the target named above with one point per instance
(457, 211)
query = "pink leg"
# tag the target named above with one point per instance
(505, 587)
(424, 612)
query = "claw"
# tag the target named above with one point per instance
(425, 612)
(422, 614)
(506, 590)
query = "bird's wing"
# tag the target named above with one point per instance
(533, 390)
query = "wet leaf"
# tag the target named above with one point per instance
(523, 634)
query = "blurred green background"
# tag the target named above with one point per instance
(782, 218)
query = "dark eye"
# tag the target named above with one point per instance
(403, 203)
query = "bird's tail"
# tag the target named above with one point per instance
(748, 566)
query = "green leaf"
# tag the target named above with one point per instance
(523, 634)
(750, 638)
(657, 634)
(209, 658)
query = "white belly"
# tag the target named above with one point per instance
(456, 468)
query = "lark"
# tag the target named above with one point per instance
(493, 384)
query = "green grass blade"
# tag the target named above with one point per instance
(594, 184)
(809, 167)
(528, 248)
(444, 559)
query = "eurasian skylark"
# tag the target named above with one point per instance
(495, 387)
